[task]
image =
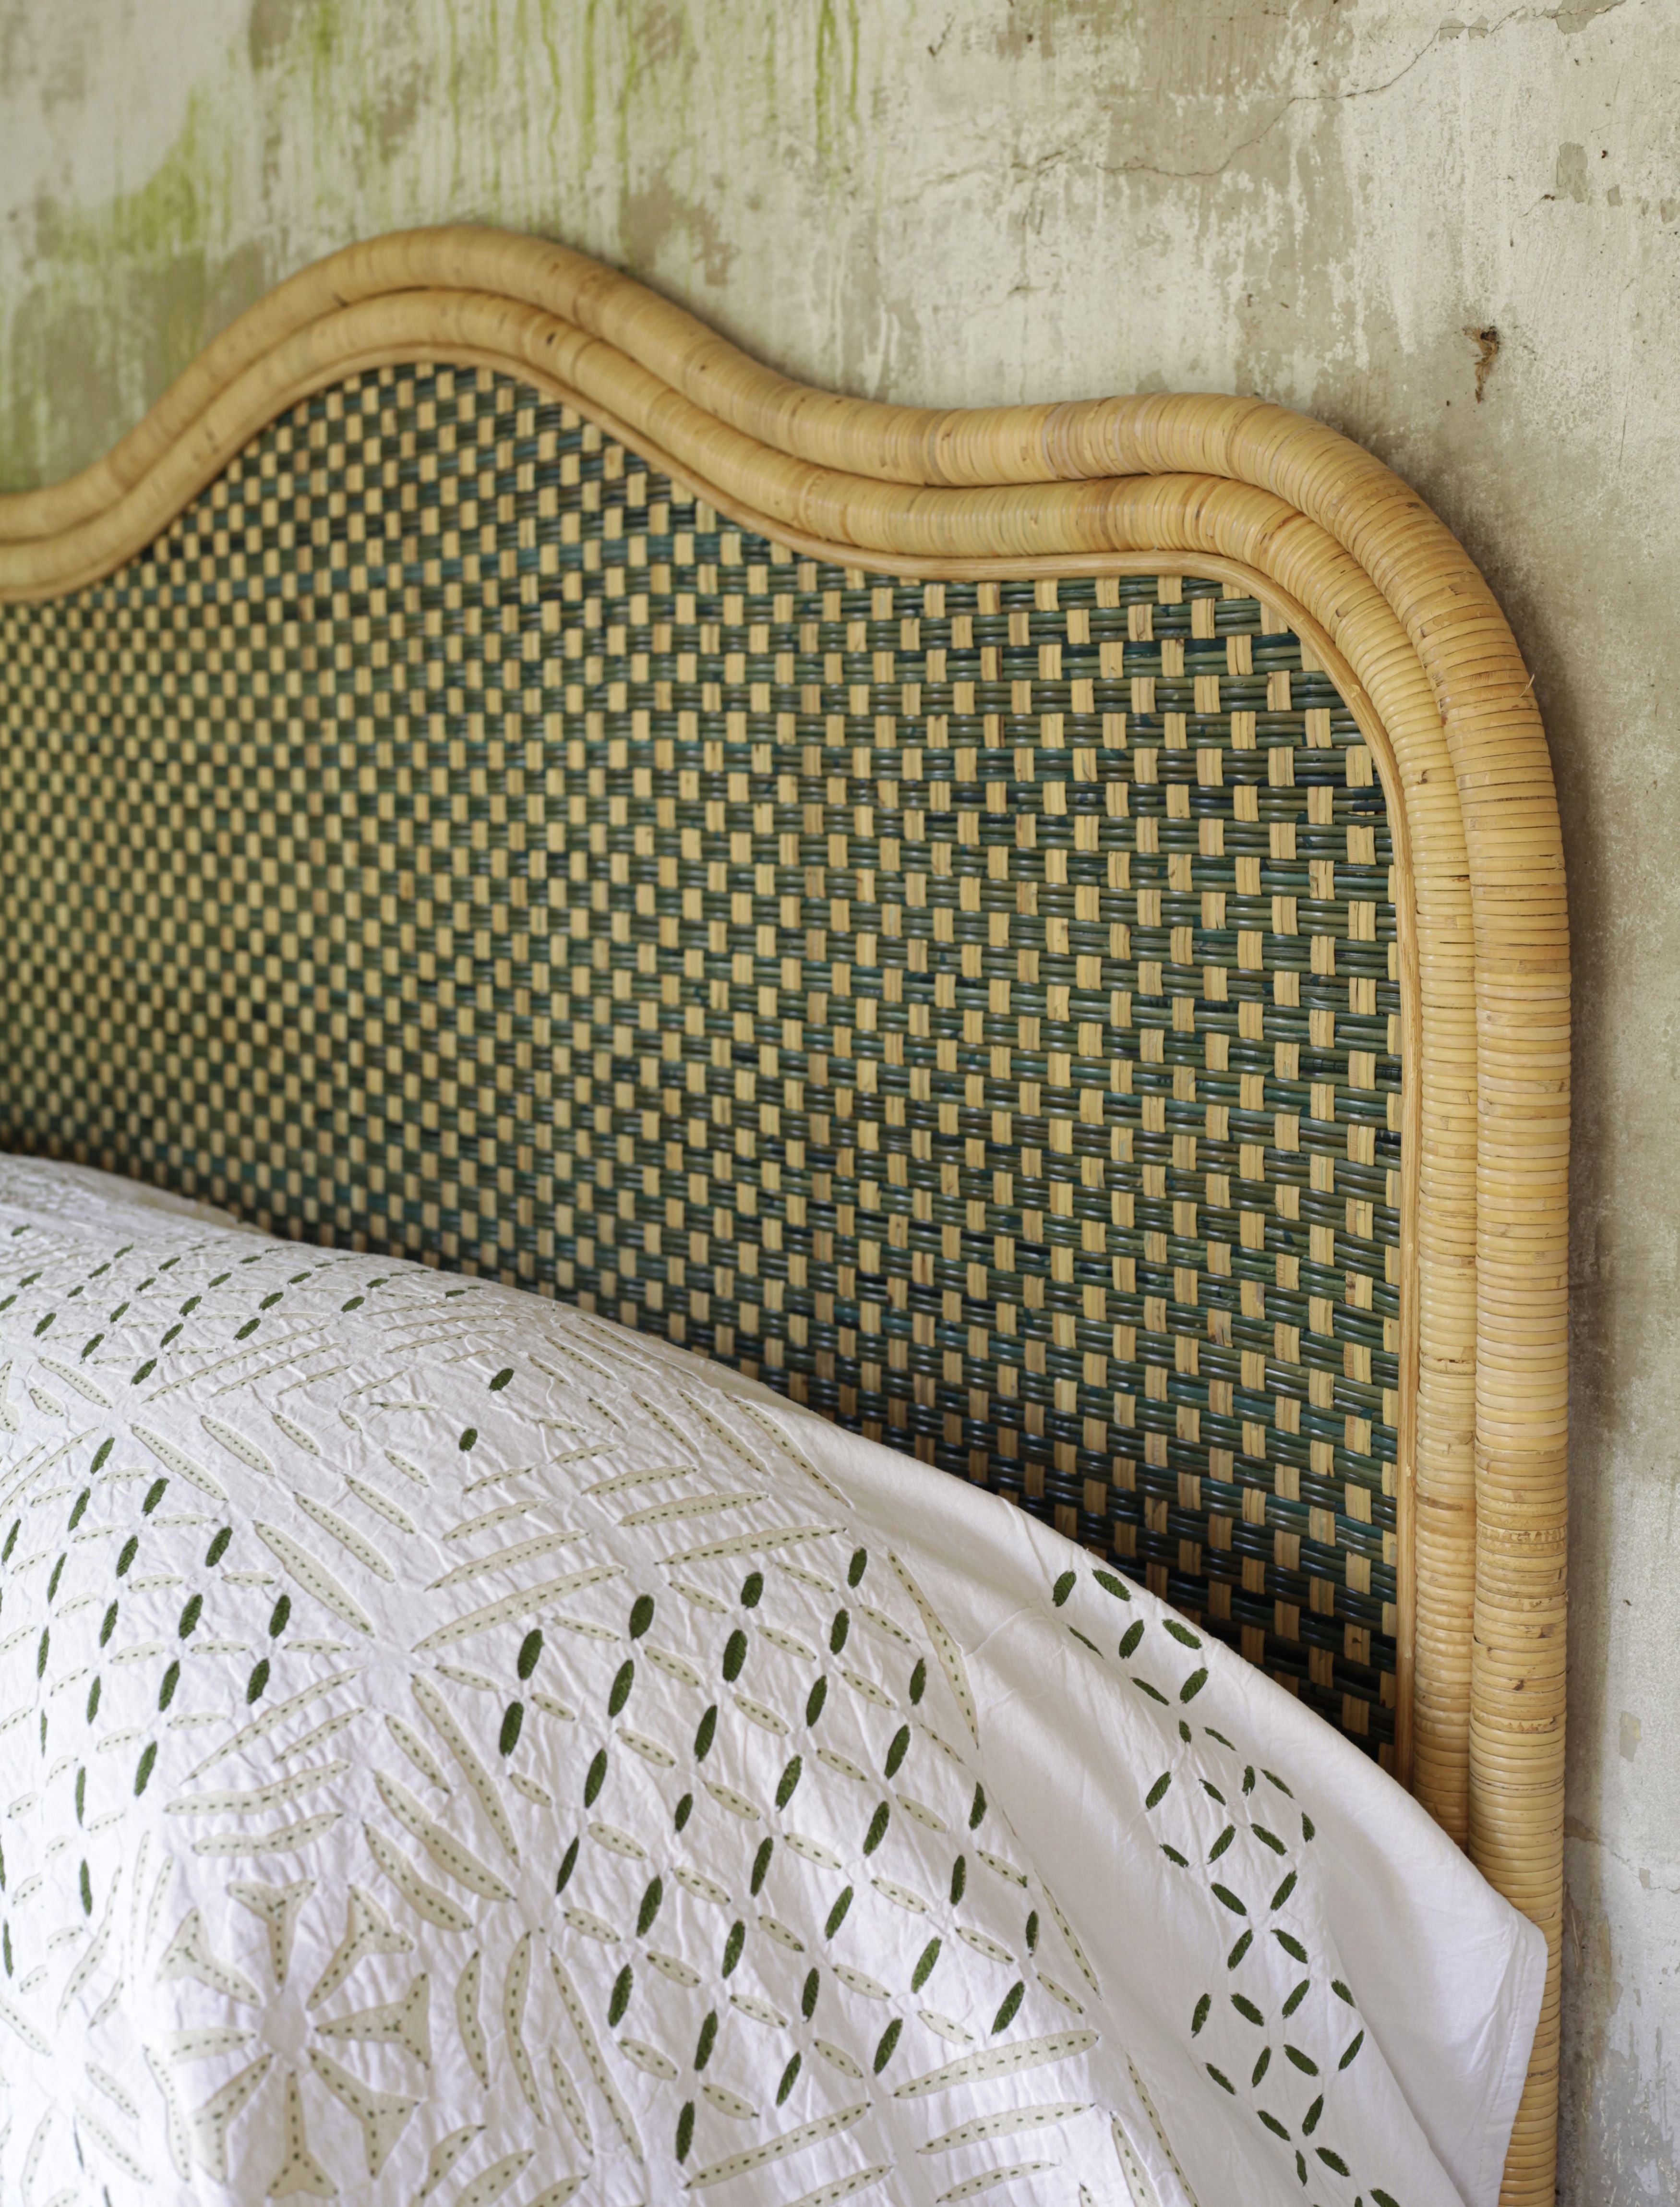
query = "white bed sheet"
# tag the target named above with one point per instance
(350, 1928)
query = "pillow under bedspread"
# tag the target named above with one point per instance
(456, 1749)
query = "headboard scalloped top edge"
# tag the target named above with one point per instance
(1079, 488)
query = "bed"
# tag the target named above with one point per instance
(1036, 939)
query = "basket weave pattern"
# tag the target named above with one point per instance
(971, 1007)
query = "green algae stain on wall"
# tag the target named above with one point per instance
(119, 300)
(835, 87)
(640, 130)
(114, 297)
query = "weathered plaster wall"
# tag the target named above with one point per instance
(991, 199)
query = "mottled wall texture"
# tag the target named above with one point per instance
(1457, 239)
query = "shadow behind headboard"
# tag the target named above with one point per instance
(996, 964)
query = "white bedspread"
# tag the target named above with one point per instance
(452, 1749)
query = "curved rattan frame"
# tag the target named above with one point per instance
(1397, 614)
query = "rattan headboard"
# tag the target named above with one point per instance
(1040, 932)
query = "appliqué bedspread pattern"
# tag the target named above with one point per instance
(457, 1750)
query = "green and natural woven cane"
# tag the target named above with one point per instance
(1039, 934)
(971, 1007)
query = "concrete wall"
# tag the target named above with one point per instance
(974, 201)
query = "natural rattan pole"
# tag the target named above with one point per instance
(1394, 594)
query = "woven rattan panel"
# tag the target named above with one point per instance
(970, 1007)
